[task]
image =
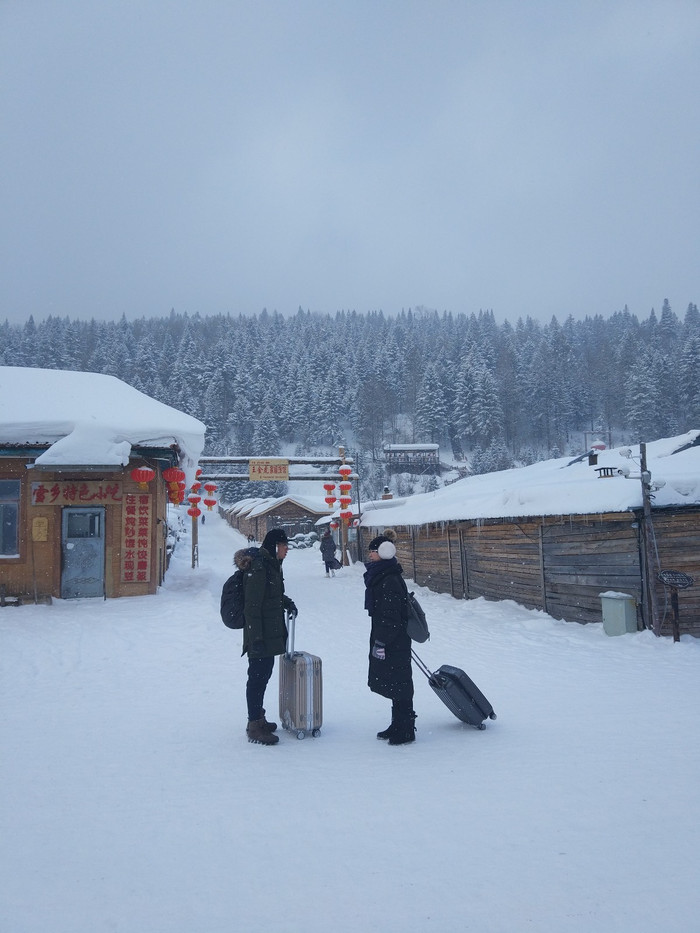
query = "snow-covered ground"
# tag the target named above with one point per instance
(132, 802)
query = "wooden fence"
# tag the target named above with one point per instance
(560, 564)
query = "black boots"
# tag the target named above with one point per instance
(402, 729)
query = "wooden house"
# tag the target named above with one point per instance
(557, 559)
(419, 459)
(255, 517)
(83, 500)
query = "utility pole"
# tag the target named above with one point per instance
(652, 606)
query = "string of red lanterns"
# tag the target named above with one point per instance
(175, 478)
(345, 487)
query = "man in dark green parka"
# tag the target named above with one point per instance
(265, 631)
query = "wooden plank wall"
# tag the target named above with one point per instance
(502, 561)
(585, 557)
(677, 536)
(558, 563)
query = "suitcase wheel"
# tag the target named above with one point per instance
(482, 725)
(315, 733)
(301, 734)
(493, 716)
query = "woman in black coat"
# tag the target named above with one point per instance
(390, 673)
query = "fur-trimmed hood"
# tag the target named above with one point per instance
(244, 558)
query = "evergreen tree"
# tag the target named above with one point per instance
(643, 396)
(486, 414)
(689, 383)
(431, 405)
(266, 439)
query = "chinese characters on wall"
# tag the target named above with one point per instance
(136, 538)
(76, 493)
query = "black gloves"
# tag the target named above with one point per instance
(379, 651)
(291, 608)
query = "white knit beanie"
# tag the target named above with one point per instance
(386, 550)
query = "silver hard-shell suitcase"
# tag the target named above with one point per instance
(301, 688)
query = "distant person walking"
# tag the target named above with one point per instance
(265, 630)
(328, 549)
(390, 673)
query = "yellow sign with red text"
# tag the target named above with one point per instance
(274, 468)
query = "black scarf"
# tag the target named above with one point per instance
(375, 568)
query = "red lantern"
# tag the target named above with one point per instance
(329, 487)
(199, 472)
(345, 471)
(346, 516)
(334, 525)
(193, 500)
(356, 523)
(142, 475)
(345, 487)
(330, 500)
(194, 512)
(210, 503)
(196, 487)
(210, 487)
(173, 475)
(345, 501)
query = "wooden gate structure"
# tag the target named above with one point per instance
(216, 469)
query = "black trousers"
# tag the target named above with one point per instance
(259, 673)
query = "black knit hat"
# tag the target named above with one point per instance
(274, 537)
(384, 544)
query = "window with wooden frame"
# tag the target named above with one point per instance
(9, 517)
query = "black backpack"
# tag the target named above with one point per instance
(232, 601)
(233, 596)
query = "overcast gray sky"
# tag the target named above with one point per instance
(533, 157)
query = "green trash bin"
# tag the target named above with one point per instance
(619, 613)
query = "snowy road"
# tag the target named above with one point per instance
(131, 800)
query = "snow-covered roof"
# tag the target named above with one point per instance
(411, 447)
(311, 505)
(90, 419)
(555, 487)
(244, 506)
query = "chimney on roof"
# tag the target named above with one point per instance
(387, 494)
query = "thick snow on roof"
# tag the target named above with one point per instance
(90, 419)
(554, 487)
(312, 505)
(412, 447)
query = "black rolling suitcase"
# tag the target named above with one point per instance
(459, 693)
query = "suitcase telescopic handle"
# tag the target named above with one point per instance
(291, 625)
(421, 665)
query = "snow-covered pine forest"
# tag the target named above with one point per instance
(492, 394)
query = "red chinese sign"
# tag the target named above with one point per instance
(136, 538)
(76, 493)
